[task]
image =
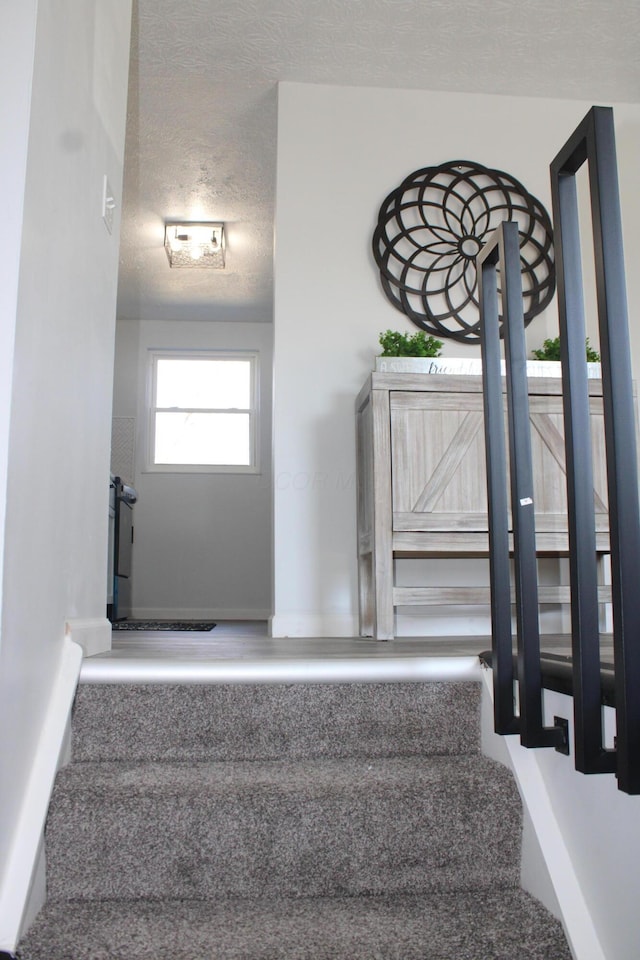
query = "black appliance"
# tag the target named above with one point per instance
(122, 497)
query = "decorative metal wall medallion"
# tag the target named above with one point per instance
(430, 230)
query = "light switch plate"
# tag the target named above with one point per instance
(108, 204)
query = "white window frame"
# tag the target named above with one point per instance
(253, 357)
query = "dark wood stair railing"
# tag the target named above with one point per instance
(593, 142)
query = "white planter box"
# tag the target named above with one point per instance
(463, 366)
(407, 364)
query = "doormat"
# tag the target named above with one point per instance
(199, 625)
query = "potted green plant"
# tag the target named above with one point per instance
(549, 354)
(406, 353)
(550, 350)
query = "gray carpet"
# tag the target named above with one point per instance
(287, 821)
(320, 828)
(274, 721)
(507, 925)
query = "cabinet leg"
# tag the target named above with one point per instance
(383, 613)
(366, 595)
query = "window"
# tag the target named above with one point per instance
(203, 412)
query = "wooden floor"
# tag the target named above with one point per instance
(250, 639)
(243, 652)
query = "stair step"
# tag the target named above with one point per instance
(279, 721)
(281, 828)
(299, 822)
(470, 926)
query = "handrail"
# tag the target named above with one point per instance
(556, 671)
(594, 143)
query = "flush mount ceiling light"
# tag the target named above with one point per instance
(195, 244)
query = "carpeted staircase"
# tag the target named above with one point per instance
(306, 822)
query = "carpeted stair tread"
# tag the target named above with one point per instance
(282, 828)
(285, 822)
(503, 925)
(274, 721)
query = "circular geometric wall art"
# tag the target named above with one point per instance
(430, 230)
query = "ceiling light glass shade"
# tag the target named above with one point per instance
(195, 244)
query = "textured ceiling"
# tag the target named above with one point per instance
(202, 108)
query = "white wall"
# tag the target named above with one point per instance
(202, 541)
(16, 68)
(340, 152)
(600, 827)
(125, 371)
(55, 537)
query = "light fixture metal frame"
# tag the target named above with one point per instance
(184, 251)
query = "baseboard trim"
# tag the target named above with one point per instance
(92, 634)
(19, 879)
(313, 625)
(456, 622)
(406, 625)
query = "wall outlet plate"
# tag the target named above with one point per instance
(563, 724)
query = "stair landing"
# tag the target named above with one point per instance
(242, 651)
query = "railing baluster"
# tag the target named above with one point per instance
(505, 720)
(585, 629)
(594, 142)
(503, 248)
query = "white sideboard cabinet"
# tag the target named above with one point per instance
(422, 485)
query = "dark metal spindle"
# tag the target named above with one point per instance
(505, 720)
(503, 247)
(589, 753)
(594, 142)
